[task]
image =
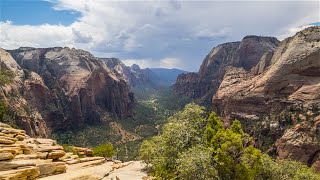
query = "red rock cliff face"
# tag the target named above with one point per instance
(16, 95)
(77, 87)
(279, 100)
(133, 75)
(245, 54)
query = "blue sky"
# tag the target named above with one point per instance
(168, 33)
(34, 12)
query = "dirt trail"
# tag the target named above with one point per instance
(125, 135)
(133, 171)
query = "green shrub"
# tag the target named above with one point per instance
(67, 148)
(6, 77)
(3, 110)
(193, 147)
(285, 169)
(195, 163)
(104, 150)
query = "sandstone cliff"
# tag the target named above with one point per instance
(14, 102)
(279, 100)
(245, 54)
(134, 75)
(65, 88)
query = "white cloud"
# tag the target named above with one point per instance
(162, 63)
(170, 63)
(143, 63)
(13, 36)
(147, 31)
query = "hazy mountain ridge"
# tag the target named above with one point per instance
(148, 77)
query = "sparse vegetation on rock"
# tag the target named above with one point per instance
(104, 150)
(192, 146)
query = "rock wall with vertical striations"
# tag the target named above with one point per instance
(246, 54)
(279, 101)
(68, 87)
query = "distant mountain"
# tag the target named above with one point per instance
(168, 76)
(137, 77)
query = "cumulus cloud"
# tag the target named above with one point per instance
(167, 62)
(143, 63)
(146, 32)
(170, 63)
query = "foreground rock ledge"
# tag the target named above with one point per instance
(23, 157)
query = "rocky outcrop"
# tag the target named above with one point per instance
(301, 142)
(23, 157)
(278, 100)
(245, 54)
(14, 101)
(133, 75)
(67, 88)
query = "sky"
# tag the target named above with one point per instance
(166, 33)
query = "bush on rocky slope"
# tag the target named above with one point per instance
(104, 150)
(6, 77)
(192, 146)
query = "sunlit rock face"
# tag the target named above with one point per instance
(279, 100)
(70, 87)
(245, 54)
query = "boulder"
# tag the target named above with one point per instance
(6, 156)
(28, 173)
(48, 169)
(49, 142)
(56, 154)
(42, 155)
(20, 137)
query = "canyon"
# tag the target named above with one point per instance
(272, 87)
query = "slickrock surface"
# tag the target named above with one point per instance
(23, 157)
(84, 173)
(130, 171)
